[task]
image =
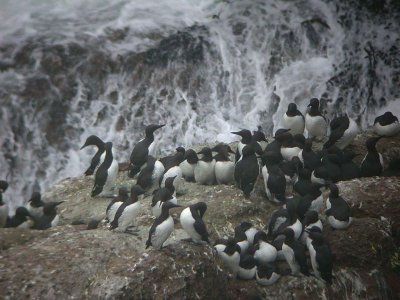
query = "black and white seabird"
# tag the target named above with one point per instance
(21, 219)
(316, 124)
(329, 170)
(189, 164)
(278, 222)
(247, 171)
(247, 267)
(3, 205)
(275, 145)
(266, 252)
(295, 254)
(288, 148)
(116, 203)
(266, 274)
(106, 174)
(224, 167)
(127, 212)
(142, 149)
(191, 219)
(35, 205)
(293, 119)
(342, 133)
(149, 176)
(169, 161)
(204, 172)
(162, 195)
(321, 256)
(259, 137)
(248, 229)
(308, 157)
(50, 218)
(230, 254)
(162, 227)
(274, 178)
(338, 210)
(172, 168)
(98, 158)
(311, 219)
(372, 164)
(386, 124)
(247, 139)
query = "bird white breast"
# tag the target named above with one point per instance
(173, 172)
(128, 216)
(337, 224)
(265, 174)
(328, 203)
(55, 221)
(297, 228)
(387, 130)
(156, 209)
(3, 215)
(348, 136)
(112, 174)
(36, 212)
(317, 204)
(244, 245)
(224, 172)
(112, 211)
(316, 179)
(219, 248)
(300, 156)
(289, 152)
(295, 124)
(240, 147)
(313, 259)
(26, 225)
(304, 236)
(381, 161)
(316, 126)
(290, 259)
(267, 253)
(231, 261)
(268, 281)
(152, 148)
(187, 221)
(246, 274)
(158, 171)
(187, 169)
(250, 233)
(162, 232)
(204, 172)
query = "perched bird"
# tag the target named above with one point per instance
(191, 219)
(386, 124)
(162, 227)
(310, 220)
(274, 178)
(169, 161)
(149, 176)
(172, 169)
(50, 218)
(125, 216)
(224, 167)
(247, 139)
(247, 171)
(266, 274)
(189, 164)
(35, 205)
(275, 145)
(266, 253)
(21, 219)
(338, 210)
(315, 122)
(162, 195)
(321, 256)
(247, 267)
(248, 229)
(142, 149)
(259, 137)
(372, 164)
(329, 170)
(293, 119)
(98, 158)
(308, 157)
(106, 174)
(343, 132)
(288, 147)
(278, 222)
(116, 203)
(204, 172)
(349, 169)
(3, 205)
(295, 254)
(230, 254)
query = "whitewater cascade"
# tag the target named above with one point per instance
(74, 68)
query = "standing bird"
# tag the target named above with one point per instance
(343, 132)
(316, 124)
(259, 137)
(3, 205)
(162, 195)
(372, 164)
(116, 203)
(189, 164)
(248, 229)
(230, 254)
(49, 218)
(224, 167)
(98, 158)
(106, 174)
(386, 124)
(149, 176)
(162, 227)
(191, 219)
(246, 140)
(142, 149)
(266, 274)
(274, 178)
(127, 212)
(338, 210)
(247, 171)
(204, 172)
(247, 267)
(172, 168)
(295, 254)
(35, 205)
(308, 157)
(321, 256)
(266, 253)
(169, 161)
(293, 119)
(21, 219)
(289, 148)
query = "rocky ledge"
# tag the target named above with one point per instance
(69, 261)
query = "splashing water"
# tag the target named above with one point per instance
(204, 68)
